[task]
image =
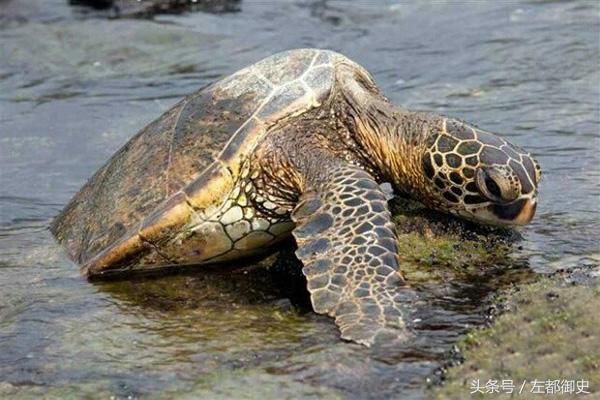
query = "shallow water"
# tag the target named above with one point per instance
(74, 88)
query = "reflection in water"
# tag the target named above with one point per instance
(71, 94)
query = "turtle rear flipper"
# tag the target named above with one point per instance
(348, 247)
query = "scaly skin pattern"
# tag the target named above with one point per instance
(298, 143)
(248, 222)
(459, 161)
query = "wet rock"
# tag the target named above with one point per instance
(577, 269)
(434, 245)
(7, 389)
(550, 334)
(149, 8)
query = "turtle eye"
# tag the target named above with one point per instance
(492, 187)
(488, 186)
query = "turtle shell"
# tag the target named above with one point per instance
(187, 160)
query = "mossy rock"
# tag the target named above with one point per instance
(550, 333)
(435, 247)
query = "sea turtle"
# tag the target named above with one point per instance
(298, 143)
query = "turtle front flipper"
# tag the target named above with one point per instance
(347, 245)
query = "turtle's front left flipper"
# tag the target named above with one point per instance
(347, 245)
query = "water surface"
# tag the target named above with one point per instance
(74, 87)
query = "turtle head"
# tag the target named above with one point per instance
(479, 176)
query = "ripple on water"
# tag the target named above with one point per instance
(71, 94)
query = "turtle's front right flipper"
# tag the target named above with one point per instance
(348, 247)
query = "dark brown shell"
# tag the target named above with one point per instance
(191, 155)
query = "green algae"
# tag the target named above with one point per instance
(550, 333)
(434, 248)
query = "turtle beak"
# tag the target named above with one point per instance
(527, 212)
(518, 212)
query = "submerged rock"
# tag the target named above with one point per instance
(149, 8)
